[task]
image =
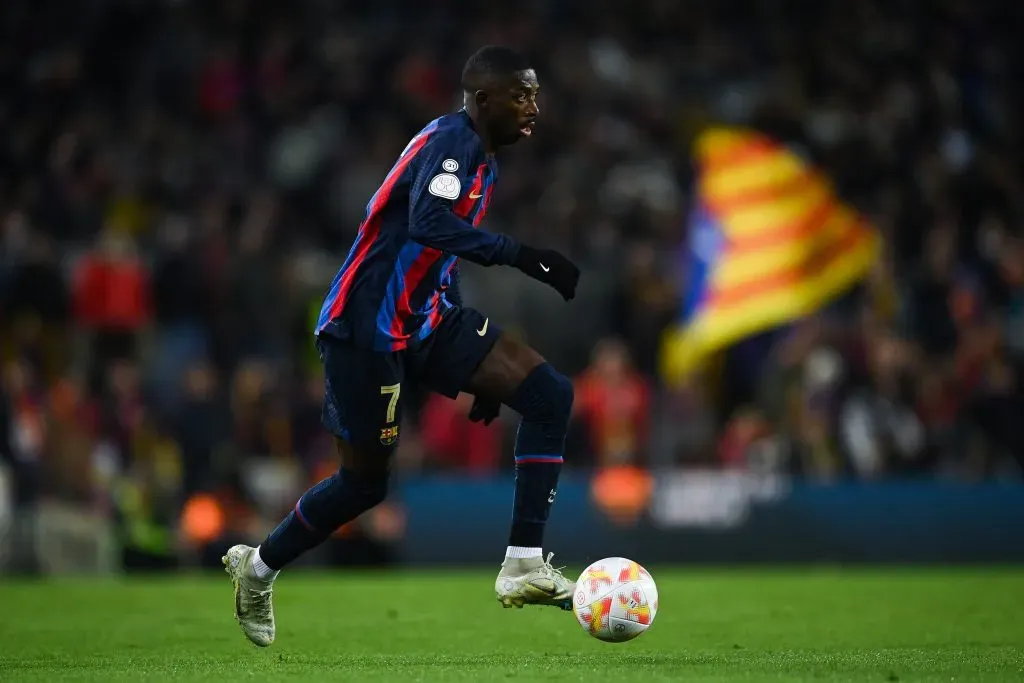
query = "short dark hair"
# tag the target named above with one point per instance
(490, 64)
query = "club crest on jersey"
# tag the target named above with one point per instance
(389, 435)
(450, 165)
(445, 186)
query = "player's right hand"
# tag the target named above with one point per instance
(549, 267)
(484, 410)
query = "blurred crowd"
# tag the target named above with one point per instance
(180, 179)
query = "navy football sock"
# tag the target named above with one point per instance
(544, 400)
(318, 513)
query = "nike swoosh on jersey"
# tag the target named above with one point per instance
(483, 330)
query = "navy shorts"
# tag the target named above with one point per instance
(363, 389)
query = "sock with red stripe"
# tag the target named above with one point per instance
(544, 400)
(338, 499)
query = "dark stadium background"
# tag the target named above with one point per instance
(179, 180)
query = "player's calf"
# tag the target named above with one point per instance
(320, 511)
(544, 399)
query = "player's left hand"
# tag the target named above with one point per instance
(484, 410)
(550, 267)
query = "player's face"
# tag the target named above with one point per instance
(514, 109)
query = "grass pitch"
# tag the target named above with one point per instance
(729, 625)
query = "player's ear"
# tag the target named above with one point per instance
(480, 97)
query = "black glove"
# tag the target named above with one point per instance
(484, 410)
(549, 267)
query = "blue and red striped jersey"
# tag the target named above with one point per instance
(390, 293)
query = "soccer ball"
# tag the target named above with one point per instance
(616, 600)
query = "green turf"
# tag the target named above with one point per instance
(750, 625)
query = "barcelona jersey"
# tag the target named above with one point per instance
(392, 290)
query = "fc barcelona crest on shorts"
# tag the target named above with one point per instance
(389, 435)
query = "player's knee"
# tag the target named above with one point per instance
(368, 490)
(545, 396)
(341, 497)
(562, 397)
(375, 493)
(338, 499)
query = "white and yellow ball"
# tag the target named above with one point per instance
(616, 600)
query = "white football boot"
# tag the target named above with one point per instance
(533, 581)
(254, 597)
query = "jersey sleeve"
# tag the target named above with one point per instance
(439, 178)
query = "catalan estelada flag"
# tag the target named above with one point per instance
(769, 242)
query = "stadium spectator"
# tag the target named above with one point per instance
(614, 402)
(453, 442)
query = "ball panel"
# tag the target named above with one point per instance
(594, 616)
(598, 579)
(633, 605)
(650, 590)
(622, 630)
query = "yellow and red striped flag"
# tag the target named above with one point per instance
(769, 242)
